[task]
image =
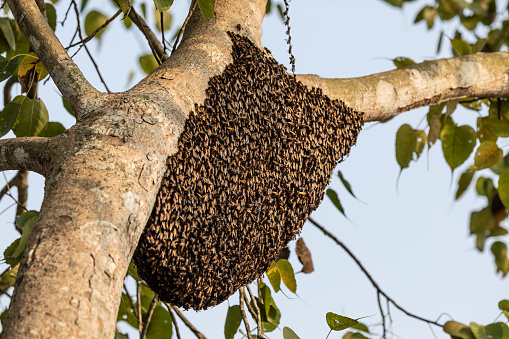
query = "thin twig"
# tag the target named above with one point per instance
(150, 312)
(7, 89)
(138, 299)
(197, 333)
(242, 296)
(94, 33)
(370, 278)
(174, 320)
(20, 182)
(66, 14)
(78, 23)
(153, 42)
(258, 314)
(381, 313)
(249, 308)
(162, 32)
(191, 10)
(133, 305)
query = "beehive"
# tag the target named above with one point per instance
(252, 164)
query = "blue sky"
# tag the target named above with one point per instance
(413, 239)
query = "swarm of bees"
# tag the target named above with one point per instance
(252, 164)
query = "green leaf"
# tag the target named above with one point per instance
(288, 333)
(207, 8)
(427, 14)
(479, 45)
(148, 63)
(7, 32)
(499, 250)
(121, 336)
(504, 305)
(52, 129)
(28, 227)
(463, 183)
(8, 117)
(361, 327)
(9, 259)
(274, 277)
(396, 3)
(503, 187)
(93, 21)
(22, 219)
(51, 14)
(499, 167)
(487, 155)
(32, 116)
(163, 5)
(167, 19)
(233, 321)
(354, 335)
(32, 63)
(457, 143)
(160, 326)
(338, 322)
(8, 66)
(287, 274)
(67, 107)
(400, 62)
(460, 47)
(408, 143)
(335, 200)
(346, 184)
(458, 330)
(484, 186)
(434, 130)
(266, 297)
(83, 5)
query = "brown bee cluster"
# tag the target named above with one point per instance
(253, 163)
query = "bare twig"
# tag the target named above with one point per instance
(197, 333)
(174, 320)
(150, 312)
(94, 33)
(135, 309)
(249, 308)
(381, 313)
(191, 10)
(155, 46)
(242, 296)
(7, 89)
(138, 299)
(370, 278)
(76, 10)
(258, 314)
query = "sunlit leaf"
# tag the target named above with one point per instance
(93, 21)
(504, 305)
(458, 142)
(207, 8)
(233, 320)
(288, 333)
(487, 155)
(287, 274)
(30, 64)
(163, 5)
(333, 196)
(402, 62)
(458, 330)
(354, 335)
(460, 47)
(338, 322)
(167, 20)
(274, 277)
(148, 63)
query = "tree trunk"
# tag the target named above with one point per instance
(103, 174)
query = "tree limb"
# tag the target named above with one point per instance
(29, 153)
(70, 81)
(154, 43)
(382, 95)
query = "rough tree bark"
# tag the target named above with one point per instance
(102, 175)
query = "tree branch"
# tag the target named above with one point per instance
(382, 95)
(29, 153)
(242, 296)
(197, 333)
(154, 43)
(174, 320)
(70, 81)
(370, 278)
(150, 312)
